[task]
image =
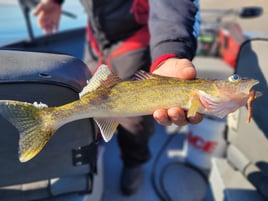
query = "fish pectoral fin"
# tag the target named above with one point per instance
(107, 128)
(194, 105)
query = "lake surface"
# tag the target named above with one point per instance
(13, 26)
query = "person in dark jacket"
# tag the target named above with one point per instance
(154, 35)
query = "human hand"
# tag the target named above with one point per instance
(48, 16)
(183, 69)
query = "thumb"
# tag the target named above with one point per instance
(187, 72)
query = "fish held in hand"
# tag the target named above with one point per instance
(107, 98)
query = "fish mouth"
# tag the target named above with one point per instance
(257, 94)
(248, 87)
(252, 83)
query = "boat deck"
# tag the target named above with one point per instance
(180, 181)
(171, 174)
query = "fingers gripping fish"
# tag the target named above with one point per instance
(107, 98)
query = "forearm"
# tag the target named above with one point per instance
(174, 27)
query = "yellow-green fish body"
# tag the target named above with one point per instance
(107, 98)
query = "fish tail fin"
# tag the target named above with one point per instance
(34, 124)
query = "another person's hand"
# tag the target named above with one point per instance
(48, 13)
(183, 69)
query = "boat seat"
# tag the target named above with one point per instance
(245, 169)
(67, 163)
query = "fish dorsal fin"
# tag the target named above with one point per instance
(107, 128)
(143, 75)
(103, 77)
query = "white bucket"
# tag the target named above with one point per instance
(205, 140)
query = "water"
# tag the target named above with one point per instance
(13, 26)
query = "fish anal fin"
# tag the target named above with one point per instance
(107, 128)
(103, 77)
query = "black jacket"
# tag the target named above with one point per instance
(173, 24)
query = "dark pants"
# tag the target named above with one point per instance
(133, 135)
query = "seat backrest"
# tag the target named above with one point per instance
(248, 150)
(67, 162)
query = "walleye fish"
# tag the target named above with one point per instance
(107, 98)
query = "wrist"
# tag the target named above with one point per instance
(159, 60)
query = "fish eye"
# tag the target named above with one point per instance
(234, 78)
